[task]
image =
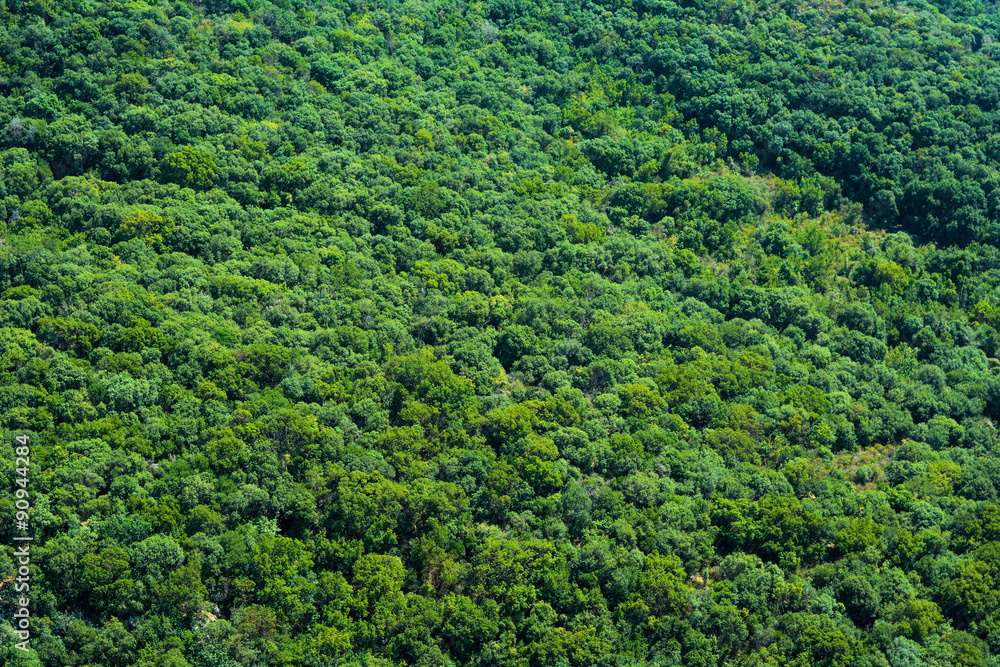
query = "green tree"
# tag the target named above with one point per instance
(191, 168)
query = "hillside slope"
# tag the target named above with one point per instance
(506, 333)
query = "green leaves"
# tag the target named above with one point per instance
(127, 394)
(971, 594)
(192, 168)
(104, 576)
(69, 334)
(370, 507)
(662, 586)
(367, 336)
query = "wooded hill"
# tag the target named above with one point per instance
(510, 333)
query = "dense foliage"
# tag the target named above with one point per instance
(505, 333)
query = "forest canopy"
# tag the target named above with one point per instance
(505, 333)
